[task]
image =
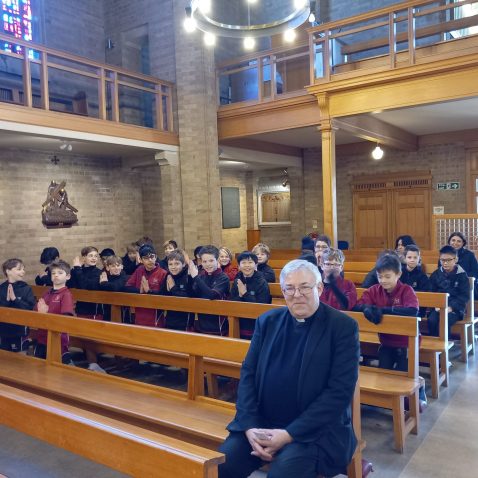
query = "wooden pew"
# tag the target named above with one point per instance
(79, 430)
(184, 416)
(465, 329)
(432, 350)
(183, 305)
(233, 310)
(388, 388)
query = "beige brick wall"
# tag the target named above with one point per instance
(109, 200)
(446, 163)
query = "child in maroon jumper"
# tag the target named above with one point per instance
(338, 292)
(148, 278)
(57, 300)
(225, 262)
(389, 296)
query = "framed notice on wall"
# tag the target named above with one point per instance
(231, 208)
(274, 208)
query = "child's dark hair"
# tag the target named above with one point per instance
(176, 255)
(86, 250)
(197, 250)
(48, 255)
(389, 262)
(145, 240)
(406, 240)
(412, 248)
(108, 252)
(113, 261)
(170, 242)
(11, 264)
(146, 250)
(322, 238)
(209, 249)
(447, 250)
(457, 234)
(64, 266)
(247, 255)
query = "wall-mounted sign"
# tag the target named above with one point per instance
(450, 186)
(438, 209)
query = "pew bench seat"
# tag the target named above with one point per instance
(200, 422)
(432, 351)
(387, 391)
(465, 331)
(75, 429)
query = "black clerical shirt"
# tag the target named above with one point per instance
(278, 405)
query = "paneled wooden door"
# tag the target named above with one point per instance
(370, 219)
(411, 214)
(388, 207)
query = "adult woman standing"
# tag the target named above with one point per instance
(466, 258)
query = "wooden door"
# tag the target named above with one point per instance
(388, 206)
(370, 219)
(411, 214)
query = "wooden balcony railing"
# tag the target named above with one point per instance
(407, 33)
(53, 80)
(264, 76)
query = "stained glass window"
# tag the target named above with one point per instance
(17, 22)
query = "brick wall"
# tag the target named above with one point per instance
(446, 163)
(107, 196)
(73, 26)
(197, 126)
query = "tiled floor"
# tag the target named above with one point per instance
(447, 445)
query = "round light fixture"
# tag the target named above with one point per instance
(249, 43)
(189, 24)
(289, 36)
(248, 21)
(377, 153)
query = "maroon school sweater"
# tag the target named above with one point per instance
(401, 296)
(59, 301)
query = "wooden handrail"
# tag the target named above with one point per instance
(222, 348)
(381, 12)
(47, 60)
(160, 302)
(262, 54)
(78, 59)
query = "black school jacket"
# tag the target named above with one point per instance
(257, 289)
(416, 279)
(25, 300)
(114, 284)
(456, 284)
(325, 388)
(86, 278)
(267, 272)
(183, 287)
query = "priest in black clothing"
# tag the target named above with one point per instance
(296, 386)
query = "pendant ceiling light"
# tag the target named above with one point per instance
(248, 19)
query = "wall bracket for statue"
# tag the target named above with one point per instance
(57, 212)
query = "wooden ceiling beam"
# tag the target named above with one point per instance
(372, 129)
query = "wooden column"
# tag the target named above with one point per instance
(328, 170)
